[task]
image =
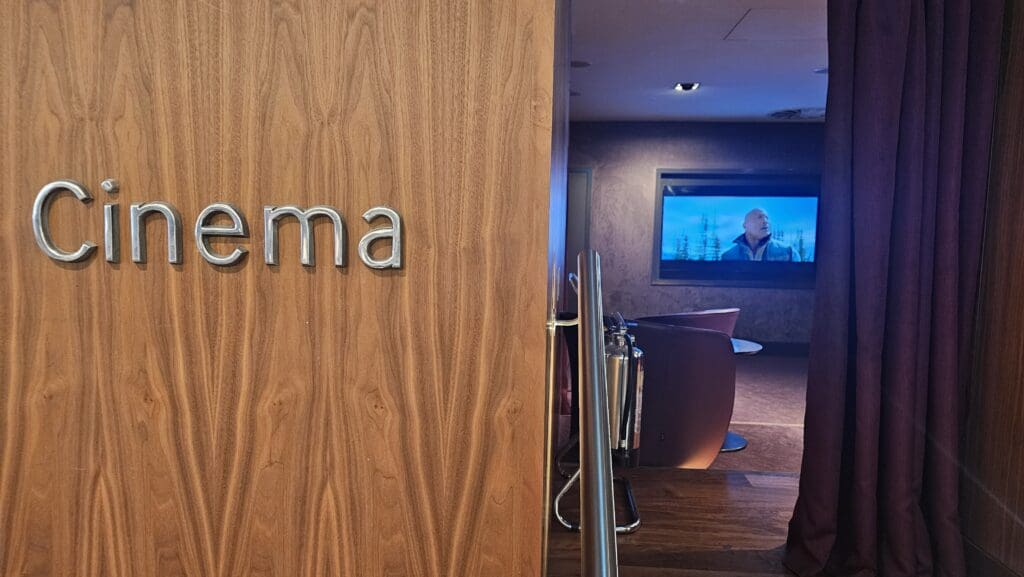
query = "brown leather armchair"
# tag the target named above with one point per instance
(689, 389)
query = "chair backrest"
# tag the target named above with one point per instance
(722, 320)
(689, 389)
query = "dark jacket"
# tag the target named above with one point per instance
(766, 250)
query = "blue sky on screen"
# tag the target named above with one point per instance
(682, 218)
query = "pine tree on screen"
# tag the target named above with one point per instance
(704, 244)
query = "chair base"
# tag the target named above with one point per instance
(574, 476)
(574, 526)
(733, 442)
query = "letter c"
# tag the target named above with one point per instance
(41, 221)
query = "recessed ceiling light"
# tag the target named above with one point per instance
(686, 86)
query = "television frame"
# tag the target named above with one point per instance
(734, 273)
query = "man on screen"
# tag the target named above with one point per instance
(756, 241)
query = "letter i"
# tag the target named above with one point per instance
(111, 223)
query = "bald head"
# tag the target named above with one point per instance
(756, 225)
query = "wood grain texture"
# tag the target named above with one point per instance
(190, 420)
(992, 490)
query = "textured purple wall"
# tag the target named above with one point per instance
(624, 157)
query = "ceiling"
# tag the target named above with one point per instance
(751, 57)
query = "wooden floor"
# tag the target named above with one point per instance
(696, 524)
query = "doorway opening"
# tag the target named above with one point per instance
(695, 149)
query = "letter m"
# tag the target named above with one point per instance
(271, 214)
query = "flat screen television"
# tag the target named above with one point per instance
(736, 229)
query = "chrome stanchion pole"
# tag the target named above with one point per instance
(597, 502)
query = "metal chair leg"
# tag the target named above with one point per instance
(634, 512)
(558, 504)
(571, 444)
(626, 529)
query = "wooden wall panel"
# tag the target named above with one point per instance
(992, 488)
(161, 419)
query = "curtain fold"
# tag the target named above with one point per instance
(912, 87)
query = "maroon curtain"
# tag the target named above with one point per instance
(912, 88)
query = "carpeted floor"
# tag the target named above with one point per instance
(769, 412)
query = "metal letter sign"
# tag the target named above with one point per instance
(139, 213)
(41, 221)
(394, 232)
(205, 229)
(271, 214)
